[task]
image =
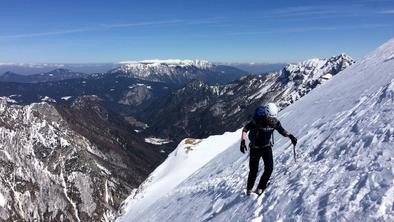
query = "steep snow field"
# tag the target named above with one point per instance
(187, 158)
(344, 171)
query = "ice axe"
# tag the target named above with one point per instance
(294, 153)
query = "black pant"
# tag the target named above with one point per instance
(255, 155)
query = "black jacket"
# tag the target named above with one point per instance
(261, 130)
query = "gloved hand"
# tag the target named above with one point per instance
(243, 147)
(293, 139)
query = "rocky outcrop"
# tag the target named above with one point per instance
(66, 164)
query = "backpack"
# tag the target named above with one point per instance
(262, 126)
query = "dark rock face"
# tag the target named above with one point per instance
(68, 163)
(136, 95)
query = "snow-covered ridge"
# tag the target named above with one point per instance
(203, 64)
(301, 78)
(316, 68)
(296, 80)
(344, 171)
(172, 70)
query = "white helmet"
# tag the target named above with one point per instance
(269, 109)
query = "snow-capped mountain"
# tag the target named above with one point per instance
(130, 66)
(199, 110)
(303, 77)
(58, 164)
(344, 169)
(178, 71)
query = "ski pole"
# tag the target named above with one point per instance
(294, 153)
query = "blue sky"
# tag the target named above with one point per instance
(217, 30)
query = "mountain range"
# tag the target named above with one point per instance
(52, 76)
(176, 72)
(180, 110)
(199, 110)
(179, 71)
(34, 68)
(28, 68)
(97, 138)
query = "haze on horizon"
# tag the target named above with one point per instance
(280, 31)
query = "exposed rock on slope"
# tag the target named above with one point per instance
(51, 172)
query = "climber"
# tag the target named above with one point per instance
(261, 130)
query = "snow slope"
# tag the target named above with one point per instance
(345, 167)
(187, 158)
